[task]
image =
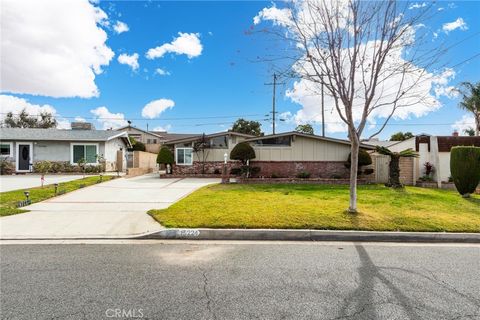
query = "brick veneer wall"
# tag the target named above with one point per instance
(317, 169)
(406, 171)
(196, 167)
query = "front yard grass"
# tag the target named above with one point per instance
(323, 207)
(9, 199)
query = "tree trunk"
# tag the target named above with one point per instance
(353, 175)
(477, 123)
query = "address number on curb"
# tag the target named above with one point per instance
(188, 233)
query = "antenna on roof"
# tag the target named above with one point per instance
(129, 122)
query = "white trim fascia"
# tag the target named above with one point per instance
(11, 149)
(176, 157)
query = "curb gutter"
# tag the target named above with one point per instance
(311, 235)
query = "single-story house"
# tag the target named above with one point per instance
(432, 149)
(25, 146)
(153, 140)
(283, 155)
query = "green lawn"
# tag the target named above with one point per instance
(323, 207)
(9, 199)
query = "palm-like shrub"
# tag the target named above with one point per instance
(394, 166)
(465, 169)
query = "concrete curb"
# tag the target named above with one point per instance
(311, 235)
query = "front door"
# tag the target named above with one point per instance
(24, 156)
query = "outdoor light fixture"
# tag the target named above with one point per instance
(56, 188)
(27, 194)
(101, 177)
(225, 156)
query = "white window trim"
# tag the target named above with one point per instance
(176, 157)
(11, 149)
(83, 144)
(17, 156)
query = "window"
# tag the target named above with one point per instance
(6, 149)
(278, 141)
(86, 151)
(219, 142)
(184, 156)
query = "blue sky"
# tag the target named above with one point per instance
(224, 80)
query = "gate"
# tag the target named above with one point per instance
(129, 156)
(381, 168)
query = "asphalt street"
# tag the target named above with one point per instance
(238, 280)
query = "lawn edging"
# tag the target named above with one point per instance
(311, 235)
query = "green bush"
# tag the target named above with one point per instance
(303, 175)
(364, 159)
(42, 167)
(6, 167)
(243, 152)
(138, 146)
(368, 171)
(236, 171)
(165, 156)
(465, 168)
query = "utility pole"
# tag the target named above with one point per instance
(274, 84)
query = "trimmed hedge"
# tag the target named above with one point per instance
(364, 158)
(465, 168)
(243, 152)
(165, 156)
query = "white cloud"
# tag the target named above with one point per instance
(52, 47)
(162, 72)
(457, 24)
(280, 17)
(417, 5)
(80, 119)
(129, 60)
(164, 129)
(186, 43)
(466, 122)
(120, 27)
(15, 105)
(155, 108)
(108, 119)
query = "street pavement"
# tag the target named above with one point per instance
(116, 208)
(147, 279)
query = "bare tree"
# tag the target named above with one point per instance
(367, 57)
(201, 148)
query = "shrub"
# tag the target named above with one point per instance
(216, 171)
(42, 167)
(336, 176)
(249, 170)
(465, 168)
(243, 152)
(236, 171)
(275, 175)
(303, 175)
(138, 146)
(6, 167)
(429, 169)
(368, 171)
(364, 159)
(165, 156)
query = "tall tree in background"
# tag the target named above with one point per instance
(253, 128)
(44, 120)
(400, 136)
(305, 128)
(369, 57)
(471, 101)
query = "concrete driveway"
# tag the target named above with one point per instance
(9, 183)
(115, 208)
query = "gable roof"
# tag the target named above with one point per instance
(35, 134)
(174, 136)
(144, 131)
(213, 135)
(310, 136)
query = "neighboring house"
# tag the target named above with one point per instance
(25, 146)
(433, 149)
(151, 140)
(284, 155)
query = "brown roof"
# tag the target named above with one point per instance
(445, 143)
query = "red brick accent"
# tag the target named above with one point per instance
(290, 169)
(196, 167)
(299, 181)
